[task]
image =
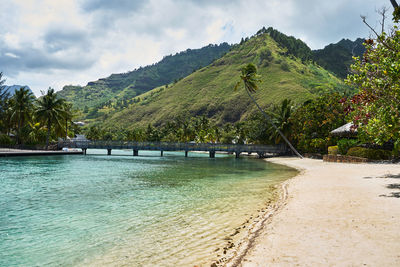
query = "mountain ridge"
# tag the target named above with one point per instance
(124, 86)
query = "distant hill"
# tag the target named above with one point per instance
(12, 88)
(120, 88)
(286, 73)
(338, 57)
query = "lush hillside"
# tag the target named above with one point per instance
(338, 57)
(118, 89)
(292, 45)
(209, 91)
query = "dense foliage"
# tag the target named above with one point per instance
(314, 120)
(26, 120)
(374, 154)
(375, 108)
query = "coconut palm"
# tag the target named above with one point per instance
(21, 108)
(280, 116)
(250, 80)
(50, 110)
(68, 115)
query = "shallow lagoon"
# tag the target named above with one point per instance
(115, 210)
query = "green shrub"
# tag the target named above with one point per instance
(284, 66)
(5, 140)
(345, 144)
(316, 145)
(374, 154)
(333, 150)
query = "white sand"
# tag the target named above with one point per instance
(335, 215)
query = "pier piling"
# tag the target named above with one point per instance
(237, 153)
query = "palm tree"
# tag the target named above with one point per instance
(50, 110)
(280, 116)
(68, 115)
(250, 80)
(21, 108)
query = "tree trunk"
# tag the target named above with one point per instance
(394, 3)
(48, 133)
(273, 125)
(66, 130)
(19, 132)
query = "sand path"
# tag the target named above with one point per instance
(335, 215)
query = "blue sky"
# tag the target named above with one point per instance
(47, 43)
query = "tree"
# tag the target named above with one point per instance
(280, 115)
(50, 110)
(375, 108)
(4, 102)
(312, 122)
(250, 80)
(22, 107)
(68, 115)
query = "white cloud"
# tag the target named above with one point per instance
(53, 43)
(8, 54)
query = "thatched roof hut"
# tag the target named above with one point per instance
(345, 130)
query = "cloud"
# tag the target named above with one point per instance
(49, 42)
(8, 54)
(118, 6)
(63, 39)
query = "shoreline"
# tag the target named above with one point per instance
(329, 214)
(6, 152)
(238, 248)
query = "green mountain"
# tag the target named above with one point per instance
(338, 57)
(118, 89)
(209, 90)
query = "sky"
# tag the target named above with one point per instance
(52, 43)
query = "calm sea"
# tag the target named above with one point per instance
(122, 210)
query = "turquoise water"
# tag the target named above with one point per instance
(122, 210)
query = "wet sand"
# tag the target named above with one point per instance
(331, 214)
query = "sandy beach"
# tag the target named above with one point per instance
(334, 214)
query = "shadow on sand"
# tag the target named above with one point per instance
(389, 186)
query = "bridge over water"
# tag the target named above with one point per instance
(212, 148)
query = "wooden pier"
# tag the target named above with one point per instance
(212, 148)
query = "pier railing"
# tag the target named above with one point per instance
(168, 146)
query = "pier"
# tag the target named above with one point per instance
(211, 148)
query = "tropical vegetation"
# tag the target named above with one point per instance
(374, 109)
(27, 121)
